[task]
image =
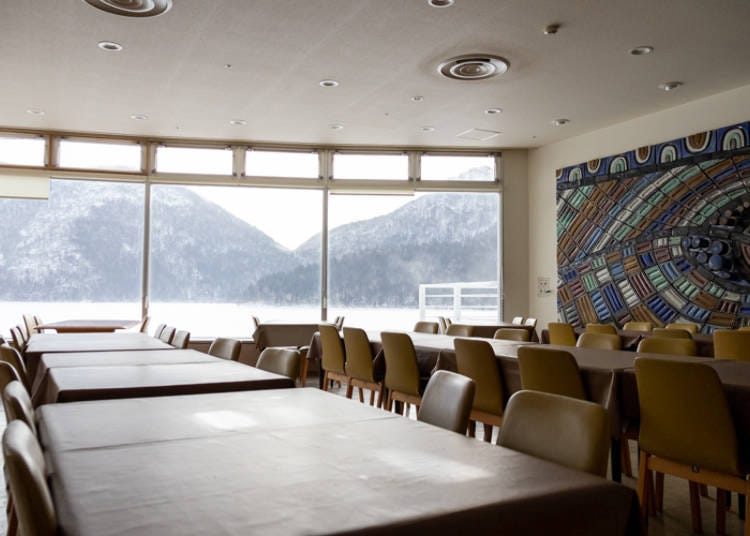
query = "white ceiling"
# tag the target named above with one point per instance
(382, 52)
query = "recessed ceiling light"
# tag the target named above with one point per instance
(441, 3)
(139, 117)
(238, 122)
(336, 126)
(132, 8)
(35, 111)
(328, 83)
(669, 86)
(428, 129)
(227, 65)
(641, 50)
(551, 29)
(109, 46)
(473, 67)
(560, 122)
(493, 111)
(417, 98)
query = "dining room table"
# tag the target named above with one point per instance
(88, 326)
(303, 461)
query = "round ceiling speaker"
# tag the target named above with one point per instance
(473, 67)
(132, 8)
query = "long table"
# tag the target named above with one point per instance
(87, 342)
(89, 326)
(301, 461)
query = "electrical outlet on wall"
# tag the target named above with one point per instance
(543, 287)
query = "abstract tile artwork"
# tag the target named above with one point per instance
(660, 234)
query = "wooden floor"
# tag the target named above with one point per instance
(673, 522)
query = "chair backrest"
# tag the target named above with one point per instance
(144, 324)
(685, 415)
(158, 331)
(333, 349)
(561, 334)
(600, 341)
(17, 339)
(7, 374)
(426, 327)
(530, 322)
(550, 371)
(460, 330)
(673, 333)
(181, 339)
(256, 322)
(359, 358)
(167, 334)
(690, 327)
(17, 402)
(512, 334)
(225, 348)
(13, 357)
(638, 326)
(517, 320)
(443, 324)
(283, 361)
(574, 433)
(667, 346)
(476, 359)
(730, 344)
(29, 325)
(447, 401)
(339, 322)
(26, 470)
(401, 370)
(609, 329)
(22, 337)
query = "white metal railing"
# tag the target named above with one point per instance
(461, 301)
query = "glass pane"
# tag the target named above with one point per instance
(76, 255)
(458, 168)
(95, 155)
(22, 151)
(383, 250)
(220, 255)
(189, 160)
(281, 164)
(371, 166)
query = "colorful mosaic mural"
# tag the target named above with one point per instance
(661, 234)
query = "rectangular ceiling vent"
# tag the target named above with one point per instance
(478, 134)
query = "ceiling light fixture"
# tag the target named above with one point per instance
(132, 8)
(441, 3)
(35, 111)
(669, 86)
(139, 117)
(238, 122)
(473, 67)
(560, 122)
(551, 29)
(109, 46)
(642, 50)
(493, 111)
(428, 129)
(328, 83)
(417, 98)
(336, 126)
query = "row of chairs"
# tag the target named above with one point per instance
(466, 330)
(179, 339)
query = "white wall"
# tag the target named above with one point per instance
(708, 113)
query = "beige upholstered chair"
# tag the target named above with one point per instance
(26, 471)
(608, 329)
(359, 365)
(599, 341)
(688, 436)
(460, 330)
(512, 334)
(667, 346)
(443, 324)
(530, 322)
(690, 327)
(426, 327)
(401, 370)
(550, 371)
(29, 324)
(447, 401)
(158, 331)
(283, 361)
(571, 432)
(334, 359)
(19, 341)
(517, 320)
(143, 328)
(638, 326)
(339, 322)
(561, 334)
(256, 322)
(181, 339)
(7, 374)
(167, 334)
(225, 348)
(476, 360)
(730, 344)
(18, 403)
(11, 356)
(674, 333)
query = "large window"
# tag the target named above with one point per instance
(96, 155)
(457, 168)
(194, 160)
(281, 164)
(22, 151)
(394, 260)
(77, 254)
(220, 255)
(371, 166)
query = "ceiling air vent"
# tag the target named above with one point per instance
(132, 8)
(473, 67)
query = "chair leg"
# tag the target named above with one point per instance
(361, 395)
(472, 428)
(744, 507)
(325, 381)
(349, 389)
(303, 373)
(389, 402)
(695, 508)
(721, 511)
(627, 468)
(659, 492)
(381, 398)
(703, 489)
(372, 397)
(487, 432)
(644, 487)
